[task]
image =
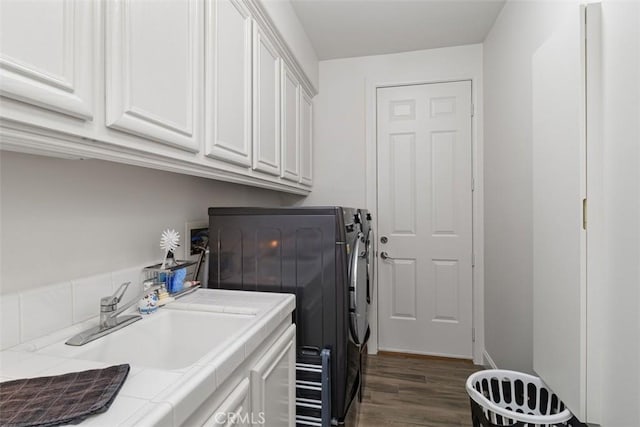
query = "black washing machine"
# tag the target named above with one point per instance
(324, 256)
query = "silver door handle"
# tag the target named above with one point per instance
(385, 256)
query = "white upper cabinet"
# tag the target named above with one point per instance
(153, 69)
(202, 87)
(266, 104)
(290, 125)
(228, 81)
(306, 142)
(46, 55)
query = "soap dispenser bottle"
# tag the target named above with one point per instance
(148, 304)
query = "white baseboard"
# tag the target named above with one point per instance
(488, 361)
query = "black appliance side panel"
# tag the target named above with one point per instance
(281, 253)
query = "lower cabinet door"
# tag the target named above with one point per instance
(273, 383)
(234, 411)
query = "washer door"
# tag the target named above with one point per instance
(358, 306)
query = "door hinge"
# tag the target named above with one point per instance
(473, 334)
(584, 213)
(473, 108)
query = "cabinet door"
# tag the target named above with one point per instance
(266, 104)
(153, 58)
(46, 56)
(306, 142)
(234, 411)
(560, 237)
(273, 383)
(228, 82)
(290, 125)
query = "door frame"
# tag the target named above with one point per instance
(480, 357)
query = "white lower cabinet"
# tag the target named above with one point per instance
(273, 383)
(234, 411)
(261, 391)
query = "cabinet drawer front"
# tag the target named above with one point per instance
(153, 57)
(46, 56)
(228, 81)
(273, 382)
(234, 411)
(266, 104)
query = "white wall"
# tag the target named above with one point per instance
(517, 33)
(344, 133)
(341, 109)
(65, 219)
(289, 26)
(519, 30)
(620, 390)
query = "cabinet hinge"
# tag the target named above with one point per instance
(473, 259)
(584, 214)
(473, 334)
(473, 184)
(473, 108)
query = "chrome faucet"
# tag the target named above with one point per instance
(110, 319)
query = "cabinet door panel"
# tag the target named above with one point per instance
(290, 125)
(266, 104)
(234, 411)
(306, 142)
(51, 64)
(273, 383)
(153, 69)
(228, 79)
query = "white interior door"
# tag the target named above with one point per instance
(425, 216)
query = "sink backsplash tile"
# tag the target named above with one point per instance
(45, 310)
(39, 312)
(86, 296)
(9, 320)
(133, 275)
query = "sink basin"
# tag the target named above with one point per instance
(168, 339)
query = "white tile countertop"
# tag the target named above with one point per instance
(159, 397)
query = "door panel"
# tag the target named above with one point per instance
(404, 287)
(425, 210)
(266, 104)
(153, 57)
(228, 79)
(53, 67)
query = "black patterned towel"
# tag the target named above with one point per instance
(61, 399)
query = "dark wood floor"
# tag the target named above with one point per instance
(409, 391)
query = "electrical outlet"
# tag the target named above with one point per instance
(194, 232)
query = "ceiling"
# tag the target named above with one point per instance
(347, 28)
